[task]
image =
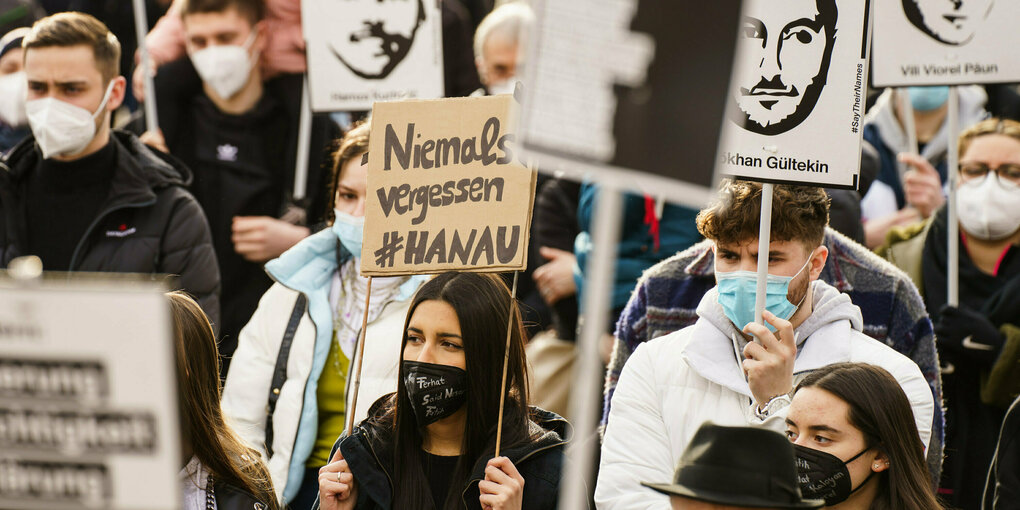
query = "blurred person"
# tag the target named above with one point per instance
(436, 435)
(500, 46)
(13, 89)
(1002, 489)
(853, 434)
(978, 340)
(735, 468)
(714, 370)
(217, 465)
(904, 193)
(83, 197)
(239, 134)
(297, 349)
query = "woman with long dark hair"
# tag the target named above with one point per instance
(856, 441)
(430, 445)
(220, 472)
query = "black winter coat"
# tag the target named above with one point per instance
(540, 463)
(148, 223)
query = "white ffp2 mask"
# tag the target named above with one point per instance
(224, 67)
(13, 88)
(60, 128)
(989, 209)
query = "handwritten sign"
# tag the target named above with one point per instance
(88, 405)
(923, 42)
(796, 97)
(446, 188)
(363, 51)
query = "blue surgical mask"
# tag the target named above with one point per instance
(926, 99)
(737, 290)
(350, 230)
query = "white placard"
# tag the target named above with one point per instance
(796, 101)
(363, 51)
(88, 398)
(941, 42)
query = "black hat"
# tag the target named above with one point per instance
(738, 466)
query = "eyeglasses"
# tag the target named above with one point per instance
(1007, 172)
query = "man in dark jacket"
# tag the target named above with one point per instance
(83, 198)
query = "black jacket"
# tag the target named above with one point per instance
(540, 463)
(231, 497)
(148, 223)
(1002, 488)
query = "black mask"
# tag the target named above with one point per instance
(435, 391)
(824, 476)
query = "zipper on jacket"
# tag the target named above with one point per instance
(463, 494)
(381, 468)
(98, 218)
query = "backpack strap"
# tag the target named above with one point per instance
(280, 372)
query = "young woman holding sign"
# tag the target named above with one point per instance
(287, 387)
(431, 444)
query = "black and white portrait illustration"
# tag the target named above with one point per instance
(951, 22)
(372, 37)
(783, 62)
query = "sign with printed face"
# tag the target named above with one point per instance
(796, 99)
(446, 188)
(945, 42)
(363, 51)
(88, 398)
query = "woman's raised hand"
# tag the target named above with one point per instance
(503, 487)
(337, 490)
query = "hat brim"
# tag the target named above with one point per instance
(729, 498)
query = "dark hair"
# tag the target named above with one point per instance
(482, 303)
(881, 411)
(354, 143)
(254, 10)
(799, 213)
(219, 449)
(67, 29)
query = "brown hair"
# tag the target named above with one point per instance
(75, 28)
(881, 411)
(354, 143)
(799, 213)
(198, 390)
(993, 126)
(254, 10)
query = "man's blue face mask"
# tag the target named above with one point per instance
(737, 291)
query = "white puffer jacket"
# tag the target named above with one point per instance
(673, 384)
(308, 269)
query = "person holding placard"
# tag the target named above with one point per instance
(218, 465)
(433, 440)
(978, 339)
(297, 349)
(901, 195)
(730, 370)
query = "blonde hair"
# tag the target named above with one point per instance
(993, 126)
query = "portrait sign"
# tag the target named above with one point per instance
(796, 99)
(943, 42)
(632, 91)
(363, 51)
(447, 189)
(88, 397)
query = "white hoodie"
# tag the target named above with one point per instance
(673, 384)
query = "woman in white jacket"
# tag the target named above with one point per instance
(286, 392)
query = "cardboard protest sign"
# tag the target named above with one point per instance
(88, 398)
(363, 51)
(632, 90)
(446, 188)
(796, 100)
(929, 42)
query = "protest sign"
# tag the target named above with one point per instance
(363, 51)
(796, 100)
(446, 188)
(88, 399)
(630, 92)
(926, 42)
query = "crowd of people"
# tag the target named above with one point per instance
(865, 388)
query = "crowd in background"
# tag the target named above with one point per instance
(889, 396)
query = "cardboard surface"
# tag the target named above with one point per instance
(796, 99)
(88, 398)
(929, 42)
(447, 189)
(363, 51)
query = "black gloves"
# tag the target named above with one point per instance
(963, 333)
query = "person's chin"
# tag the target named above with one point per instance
(757, 113)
